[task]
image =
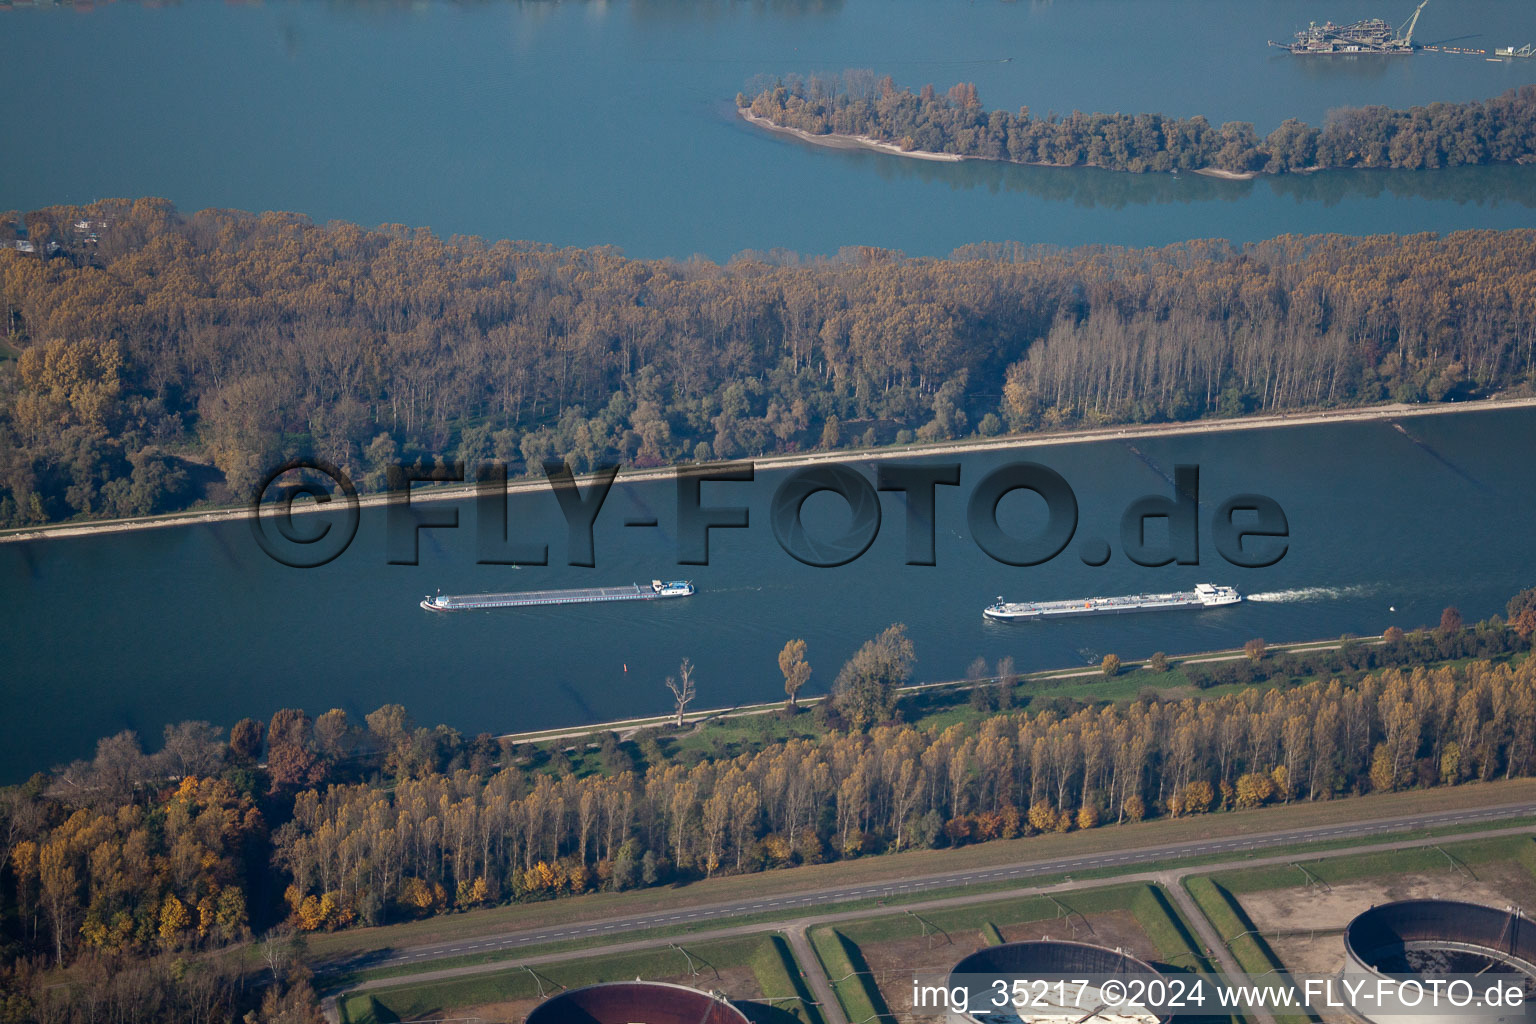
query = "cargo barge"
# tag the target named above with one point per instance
(1205, 595)
(580, 595)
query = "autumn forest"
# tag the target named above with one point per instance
(151, 360)
(131, 863)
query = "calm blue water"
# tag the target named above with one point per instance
(610, 123)
(134, 630)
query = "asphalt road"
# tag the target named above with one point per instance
(725, 911)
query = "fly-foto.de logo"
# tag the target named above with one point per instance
(1247, 530)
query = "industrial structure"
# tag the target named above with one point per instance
(636, 1002)
(1371, 36)
(1434, 938)
(978, 973)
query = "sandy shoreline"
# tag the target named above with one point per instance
(848, 141)
(1217, 172)
(837, 141)
(798, 460)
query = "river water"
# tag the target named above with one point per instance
(611, 123)
(1387, 526)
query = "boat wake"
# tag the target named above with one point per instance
(1310, 594)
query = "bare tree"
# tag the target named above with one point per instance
(193, 748)
(118, 768)
(281, 948)
(21, 817)
(683, 690)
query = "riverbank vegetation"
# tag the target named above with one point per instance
(147, 861)
(166, 360)
(857, 105)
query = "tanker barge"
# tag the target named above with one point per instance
(1205, 595)
(580, 595)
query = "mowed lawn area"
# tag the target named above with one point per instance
(874, 962)
(758, 969)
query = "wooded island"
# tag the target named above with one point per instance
(857, 105)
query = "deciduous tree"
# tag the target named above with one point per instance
(795, 669)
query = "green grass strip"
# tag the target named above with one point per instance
(780, 980)
(412, 1002)
(850, 976)
(1454, 857)
(1247, 946)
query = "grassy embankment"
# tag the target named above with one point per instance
(773, 965)
(1218, 895)
(210, 511)
(1244, 941)
(896, 867)
(839, 946)
(859, 992)
(767, 956)
(1387, 864)
(745, 730)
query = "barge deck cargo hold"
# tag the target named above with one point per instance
(580, 595)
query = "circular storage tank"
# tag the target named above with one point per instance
(1433, 938)
(1048, 957)
(636, 1002)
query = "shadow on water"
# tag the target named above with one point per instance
(1489, 185)
(1366, 67)
(704, 10)
(29, 560)
(1427, 449)
(1094, 188)
(585, 710)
